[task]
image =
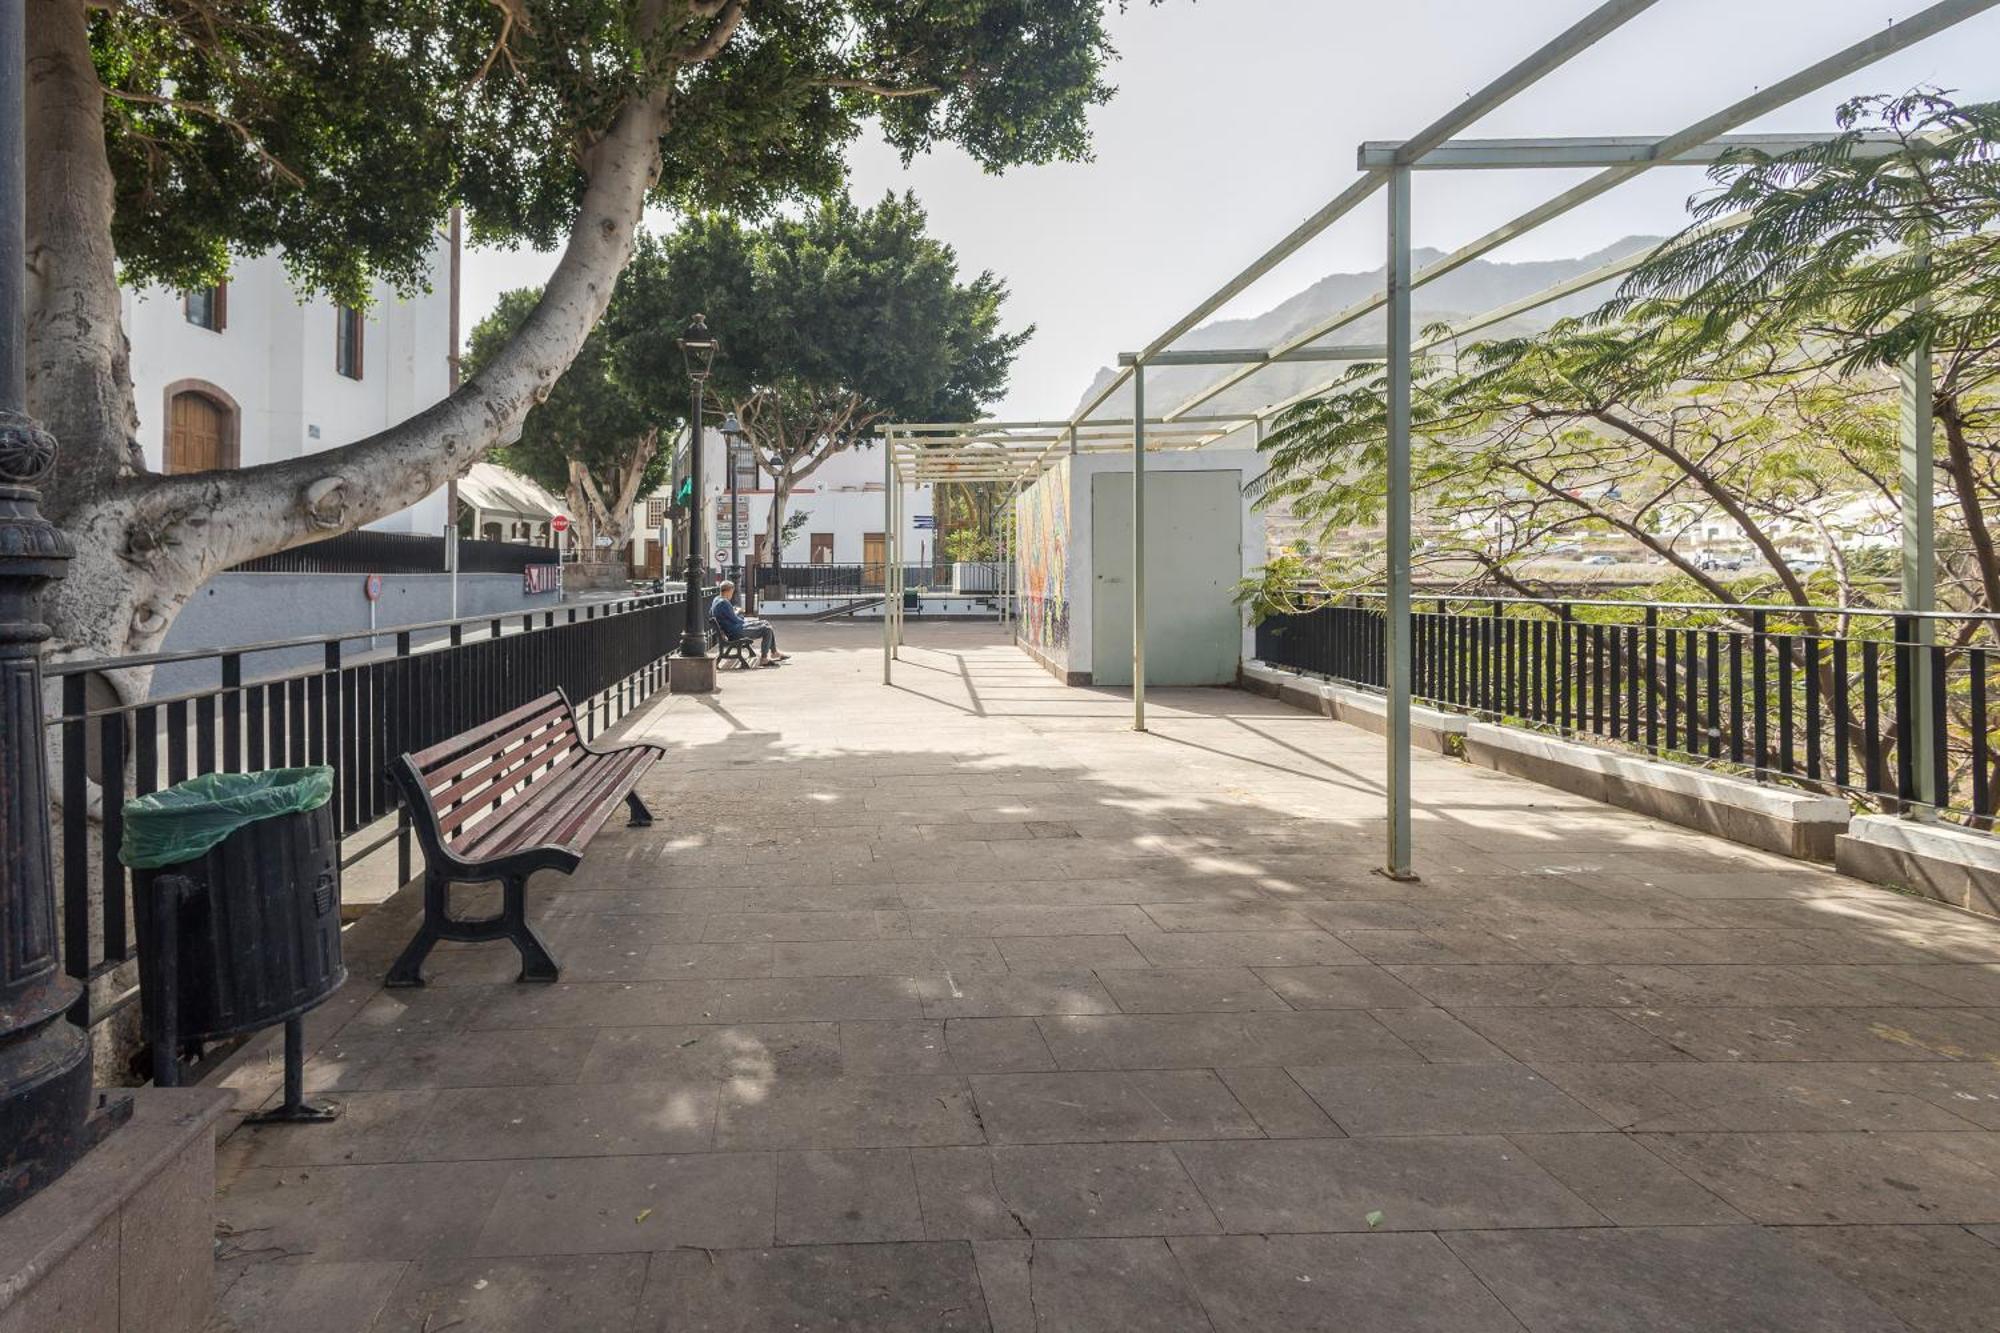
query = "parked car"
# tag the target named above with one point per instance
(1600, 559)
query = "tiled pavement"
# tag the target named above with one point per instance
(957, 1005)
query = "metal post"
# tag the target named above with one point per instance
(1919, 488)
(1139, 547)
(44, 1058)
(694, 641)
(1397, 863)
(735, 514)
(892, 554)
(889, 519)
(1014, 558)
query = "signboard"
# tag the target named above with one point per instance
(924, 522)
(371, 587)
(539, 578)
(560, 522)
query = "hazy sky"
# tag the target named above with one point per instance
(1234, 119)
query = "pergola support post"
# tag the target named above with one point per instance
(889, 523)
(1396, 864)
(1919, 486)
(1139, 547)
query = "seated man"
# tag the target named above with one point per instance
(733, 623)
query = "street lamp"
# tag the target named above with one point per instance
(697, 346)
(732, 434)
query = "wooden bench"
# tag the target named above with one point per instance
(729, 649)
(521, 793)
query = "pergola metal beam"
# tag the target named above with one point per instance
(1628, 150)
(1234, 356)
(1893, 38)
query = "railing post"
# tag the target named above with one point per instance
(1760, 702)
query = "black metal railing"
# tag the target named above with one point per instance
(356, 711)
(367, 552)
(807, 581)
(1826, 697)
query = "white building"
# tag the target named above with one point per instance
(249, 373)
(842, 502)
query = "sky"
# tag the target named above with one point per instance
(1235, 119)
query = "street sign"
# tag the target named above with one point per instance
(560, 522)
(924, 522)
(371, 587)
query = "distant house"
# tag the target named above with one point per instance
(842, 502)
(249, 372)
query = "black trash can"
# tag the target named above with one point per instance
(238, 902)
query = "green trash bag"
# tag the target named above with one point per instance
(182, 822)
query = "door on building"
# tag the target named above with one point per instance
(199, 438)
(873, 556)
(822, 548)
(1194, 557)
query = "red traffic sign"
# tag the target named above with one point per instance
(371, 587)
(560, 522)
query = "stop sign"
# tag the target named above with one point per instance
(560, 522)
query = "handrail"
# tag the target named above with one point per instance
(72, 666)
(1792, 608)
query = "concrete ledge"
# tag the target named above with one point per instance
(1060, 670)
(1776, 819)
(125, 1242)
(1954, 865)
(1430, 728)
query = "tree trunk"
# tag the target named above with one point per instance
(774, 522)
(145, 543)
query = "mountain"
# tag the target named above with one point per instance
(1476, 287)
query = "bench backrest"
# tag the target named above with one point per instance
(466, 779)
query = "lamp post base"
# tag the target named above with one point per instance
(691, 675)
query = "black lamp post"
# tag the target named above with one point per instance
(44, 1058)
(698, 350)
(732, 433)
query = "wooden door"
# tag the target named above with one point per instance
(873, 554)
(197, 434)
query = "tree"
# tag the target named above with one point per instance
(166, 135)
(828, 325)
(596, 437)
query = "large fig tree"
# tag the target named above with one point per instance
(165, 136)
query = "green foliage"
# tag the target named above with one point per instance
(1743, 374)
(826, 323)
(343, 131)
(593, 415)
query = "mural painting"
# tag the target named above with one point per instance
(1044, 529)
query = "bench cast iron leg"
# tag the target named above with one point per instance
(537, 964)
(408, 969)
(641, 816)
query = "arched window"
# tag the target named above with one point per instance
(203, 427)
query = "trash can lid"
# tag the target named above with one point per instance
(181, 822)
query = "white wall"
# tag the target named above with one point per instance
(1247, 463)
(275, 359)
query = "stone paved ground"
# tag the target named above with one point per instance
(958, 1005)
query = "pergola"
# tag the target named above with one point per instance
(1016, 452)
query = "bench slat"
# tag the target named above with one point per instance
(561, 816)
(531, 761)
(428, 760)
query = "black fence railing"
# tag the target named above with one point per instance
(356, 711)
(1829, 698)
(805, 581)
(366, 552)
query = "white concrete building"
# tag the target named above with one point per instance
(249, 373)
(842, 502)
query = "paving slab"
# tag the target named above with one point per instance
(959, 1005)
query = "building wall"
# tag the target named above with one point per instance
(1084, 467)
(1043, 523)
(274, 362)
(844, 498)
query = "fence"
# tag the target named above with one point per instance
(356, 713)
(365, 552)
(806, 581)
(1823, 697)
